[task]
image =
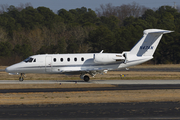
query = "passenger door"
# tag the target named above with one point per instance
(48, 64)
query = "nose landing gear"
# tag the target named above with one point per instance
(21, 77)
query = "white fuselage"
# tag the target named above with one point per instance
(74, 63)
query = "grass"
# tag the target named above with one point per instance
(21, 97)
(90, 97)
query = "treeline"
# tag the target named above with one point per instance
(26, 31)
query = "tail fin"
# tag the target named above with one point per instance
(148, 43)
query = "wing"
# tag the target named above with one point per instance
(92, 71)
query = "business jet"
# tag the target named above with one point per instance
(90, 63)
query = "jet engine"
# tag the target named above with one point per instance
(104, 58)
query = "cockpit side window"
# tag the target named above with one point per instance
(28, 60)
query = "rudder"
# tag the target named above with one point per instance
(149, 42)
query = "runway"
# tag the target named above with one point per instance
(112, 82)
(113, 88)
(118, 85)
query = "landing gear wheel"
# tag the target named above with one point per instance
(21, 79)
(86, 78)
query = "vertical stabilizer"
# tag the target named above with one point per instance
(148, 43)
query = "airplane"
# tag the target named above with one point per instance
(90, 63)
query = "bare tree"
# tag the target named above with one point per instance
(123, 11)
(136, 10)
(3, 8)
(21, 6)
(106, 10)
(178, 8)
(3, 35)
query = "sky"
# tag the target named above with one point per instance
(56, 5)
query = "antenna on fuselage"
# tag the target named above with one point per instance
(101, 51)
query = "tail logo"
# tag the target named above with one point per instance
(146, 47)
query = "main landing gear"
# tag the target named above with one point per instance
(21, 77)
(85, 78)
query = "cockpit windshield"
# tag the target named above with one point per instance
(29, 59)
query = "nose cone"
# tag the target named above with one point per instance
(12, 69)
(8, 69)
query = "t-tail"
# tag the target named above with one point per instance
(145, 48)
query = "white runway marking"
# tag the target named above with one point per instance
(115, 82)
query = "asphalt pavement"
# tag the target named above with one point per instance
(112, 82)
(100, 111)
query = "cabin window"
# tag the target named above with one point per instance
(68, 59)
(82, 59)
(61, 59)
(75, 59)
(54, 59)
(34, 60)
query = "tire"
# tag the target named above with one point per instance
(21, 79)
(86, 78)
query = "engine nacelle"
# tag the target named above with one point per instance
(104, 58)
